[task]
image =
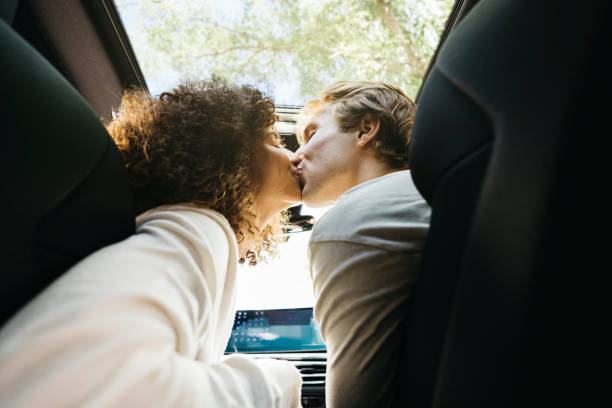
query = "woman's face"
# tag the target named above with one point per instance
(280, 185)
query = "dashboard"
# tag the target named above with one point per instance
(278, 330)
(287, 334)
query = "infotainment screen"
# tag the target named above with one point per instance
(275, 331)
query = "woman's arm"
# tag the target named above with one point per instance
(142, 323)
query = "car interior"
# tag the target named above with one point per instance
(507, 111)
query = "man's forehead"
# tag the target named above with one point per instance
(310, 118)
(318, 112)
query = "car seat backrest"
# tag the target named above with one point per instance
(8, 9)
(64, 190)
(493, 153)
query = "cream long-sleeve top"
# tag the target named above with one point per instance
(142, 323)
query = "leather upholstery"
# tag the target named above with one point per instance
(64, 189)
(493, 151)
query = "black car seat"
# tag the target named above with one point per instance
(64, 186)
(513, 103)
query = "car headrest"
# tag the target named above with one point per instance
(8, 9)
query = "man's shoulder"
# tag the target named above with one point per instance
(386, 212)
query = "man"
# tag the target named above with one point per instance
(365, 251)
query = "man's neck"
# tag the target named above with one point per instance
(372, 168)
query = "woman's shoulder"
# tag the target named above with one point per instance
(186, 216)
(187, 225)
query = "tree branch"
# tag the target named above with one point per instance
(396, 29)
(255, 48)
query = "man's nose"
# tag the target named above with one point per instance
(297, 156)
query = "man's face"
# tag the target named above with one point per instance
(325, 159)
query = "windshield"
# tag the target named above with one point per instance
(291, 49)
(283, 282)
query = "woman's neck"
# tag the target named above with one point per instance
(265, 211)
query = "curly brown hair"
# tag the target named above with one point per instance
(199, 144)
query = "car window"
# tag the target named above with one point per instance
(283, 282)
(290, 49)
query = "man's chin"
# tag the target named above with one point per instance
(314, 202)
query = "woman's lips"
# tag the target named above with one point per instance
(299, 181)
(299, 176)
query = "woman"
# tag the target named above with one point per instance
(145, 322)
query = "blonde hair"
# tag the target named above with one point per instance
(351, 100)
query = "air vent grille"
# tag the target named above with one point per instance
(313, 372)
(312, 366)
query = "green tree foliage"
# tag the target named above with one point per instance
(308, 43)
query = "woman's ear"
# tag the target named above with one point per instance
(368, 128)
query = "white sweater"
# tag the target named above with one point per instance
(142, 323)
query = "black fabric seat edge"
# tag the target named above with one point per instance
(64, 187)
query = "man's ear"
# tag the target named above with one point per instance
(368, 128)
